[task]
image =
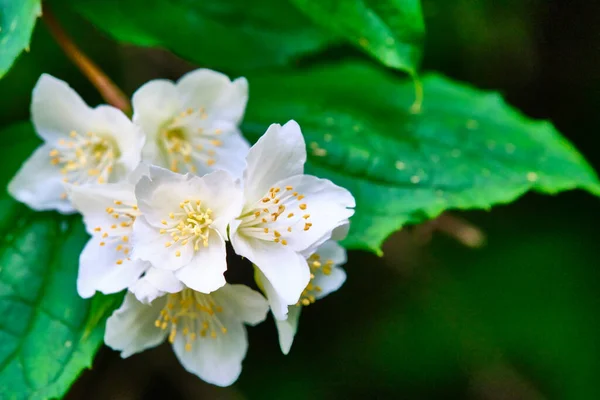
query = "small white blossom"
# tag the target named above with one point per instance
(183, 225)
(109, 211)
(82, 145)
(206, 330)
(192, 125)
(285, 213)
(326, 277)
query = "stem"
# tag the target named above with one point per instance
(107, 88)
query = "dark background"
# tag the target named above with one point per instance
(516, 319)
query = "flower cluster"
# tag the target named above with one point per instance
(161, 194)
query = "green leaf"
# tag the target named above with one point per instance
(48, 334)
(17, 19)
(228, 34)
(390, 30)
(465, 149)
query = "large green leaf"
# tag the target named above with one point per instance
(47, 333)
(390, 30)
(464, 149)
(17, 19)
(229, 34)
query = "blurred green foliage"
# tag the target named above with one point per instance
(227, 35)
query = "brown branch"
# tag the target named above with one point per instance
(107, 88)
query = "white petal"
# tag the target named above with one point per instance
(222, 195)
(338, 233)
(328, 205)
(39, 184)
(112, 122)
(278, 306)
(92, 201)
(329, 283)
(234, 224)
(56, 110)
(143, 169)
(285, 269)
(149, 245)
(204, 272)
(161, 193)
(230, 156)
(145, 292)
(287, 328)
(331, 250)
(155, 283)
(154, 104)
(219, 360)
(341, 231)
(232, 104)
(279, 154)
(166, 175)
(221, 98)
(99, 271)
(131, 328)
(242, 303)
(153, 154)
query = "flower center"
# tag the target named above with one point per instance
(85, 159)
(124, 215)
(276, 216)
(185, 141)
(190, 225)
(192, 315)
(317, 266)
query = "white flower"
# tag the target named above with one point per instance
(82, 145)
(206, 330)
(192, 125)
(326, 277)
(108, 210)
(286, 213)
(183, 225)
